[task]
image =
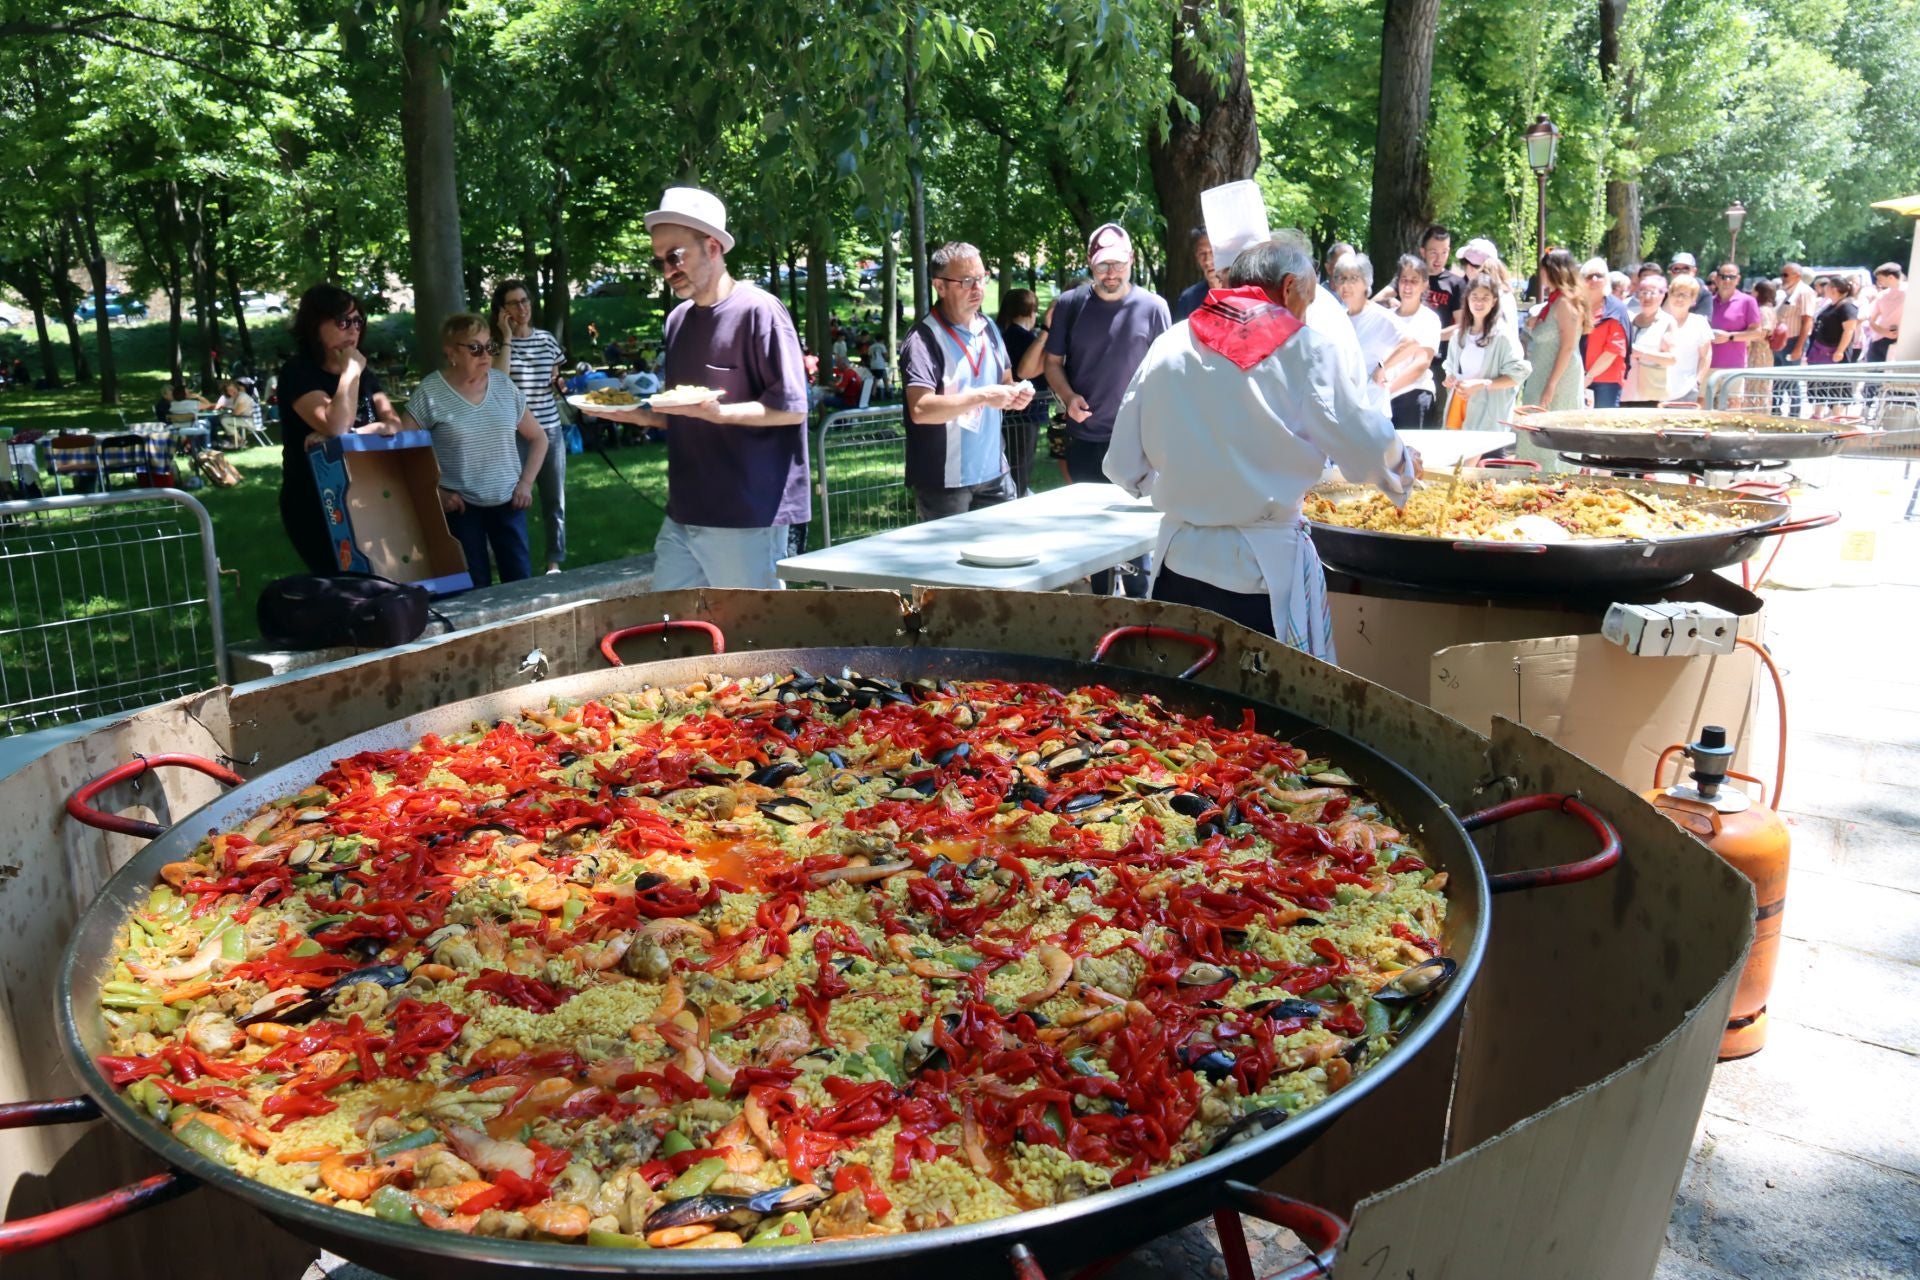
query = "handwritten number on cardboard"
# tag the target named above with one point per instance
(1377, 1264)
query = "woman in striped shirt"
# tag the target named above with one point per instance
(477, 416)
(532, 358)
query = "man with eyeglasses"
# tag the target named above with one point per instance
(959, 381)
(1101, 332)
(1735, 318)
(736, 466)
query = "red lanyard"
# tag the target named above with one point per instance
(973, 362)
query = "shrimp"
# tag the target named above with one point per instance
(784, 1038)
(754, 1112)
(673, 1237)
(1339, 1075)
(177, 874)
(1308, 796)
(600, 957)
(902, 946)
(448, 1196)
(1303, 1056)
(766, 967)
(544, 893)
(670, 928)
(354, 1184)
(853, 874)
(1057, 965)
(491, 1154)
(673, 998)
(558, 1218)
(212, 1033)
(970, 1142)
(186, 970)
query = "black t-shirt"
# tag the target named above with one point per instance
(298, 376)
(1829, 324)
(1446, 294)
(1018, 339)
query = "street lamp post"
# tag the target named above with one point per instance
(1736, 218)
(1542, 141)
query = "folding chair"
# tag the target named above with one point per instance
(77, 456)
(252, 430)
(122, 455)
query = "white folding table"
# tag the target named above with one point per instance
(1074, 531)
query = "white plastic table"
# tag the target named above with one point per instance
(1075, 530)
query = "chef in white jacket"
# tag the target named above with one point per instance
(1228, 422)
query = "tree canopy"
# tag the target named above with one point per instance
(199, 148)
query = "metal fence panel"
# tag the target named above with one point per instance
(107, 602)
(861, 455)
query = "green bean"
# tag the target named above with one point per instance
(961, 961)
(885, 1062)
(1327, 992)
(211, 1143)
(152, 1098)
(1379, 1020)
(166, 1019)
(424, 1138)
(788, 1228)
(615, 1240)
(233, 944)
(694, 1181)
(391, 1204)
(674, 1143)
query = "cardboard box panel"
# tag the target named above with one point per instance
(380, 498)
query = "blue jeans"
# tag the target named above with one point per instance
(501, 529)
(1606, 395)
(1789, 394)
(686, 555)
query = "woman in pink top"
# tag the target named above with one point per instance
(1883, 317)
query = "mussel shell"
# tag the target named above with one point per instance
(1086, 800)
(387, 975)
(800, 681)
(1214, 1063)
(1247, 1126)
(726, 1211)
(958, 751)
(1025, 792)
(838, 706)
(1288, 1008)
(776, 773)
(1189, 805)
(1417, 982)
(1202, 974)
(785, 724)
(1066, 760)
(920, 1053)
(790, 811)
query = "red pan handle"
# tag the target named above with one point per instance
(1820, 521)
(1319, 1229)
(80, 803)
(1210, 649)
(1522, 464)
(1567, 873)
(612, 638)
(58, 1224)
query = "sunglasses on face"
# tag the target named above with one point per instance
(672, 260)
(479, 348)
(1595, 275)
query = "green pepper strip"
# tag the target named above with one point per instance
(776, 1232)
(674, 1143)
(208, 1142)
(615, 1240)
(391, 1204)
(694, 1181)
(424, 1138)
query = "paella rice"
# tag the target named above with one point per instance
(773, 961)
(1500, 511)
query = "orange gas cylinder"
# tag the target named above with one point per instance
(1753, 839)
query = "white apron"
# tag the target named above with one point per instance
(1290, 566)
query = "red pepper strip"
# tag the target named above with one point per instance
(748, 1077)
(481, 1201)
(419, 1032)
(208, 1094)
(1406, 862)
(525, 993)
(121, 1071)
(548, 1161)
(849, 1176)
(291, 1106)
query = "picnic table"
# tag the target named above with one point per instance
(1073, 531)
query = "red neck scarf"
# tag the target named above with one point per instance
(1243, 324)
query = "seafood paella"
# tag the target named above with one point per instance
(1519, 511)
(773, 961)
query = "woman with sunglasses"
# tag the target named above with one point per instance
(325, 390)
(474, 412)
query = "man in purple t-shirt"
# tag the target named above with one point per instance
(736, 466)
(1735, 318)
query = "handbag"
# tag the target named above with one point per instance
(1777, 339)
(217, 468)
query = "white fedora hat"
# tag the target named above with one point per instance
(692, 207)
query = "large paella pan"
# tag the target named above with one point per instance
(1685, 435)
(1125, 1212)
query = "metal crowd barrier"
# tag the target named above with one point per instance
(1883, 394)
(861, 461)
(108, 602)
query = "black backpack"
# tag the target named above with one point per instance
(309, 612)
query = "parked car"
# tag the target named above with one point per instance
(258, 302)
(10, 317)
(119, 307)
(607, 289)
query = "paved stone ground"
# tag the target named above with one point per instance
(1807, 1159)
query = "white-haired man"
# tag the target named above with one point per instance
(736, 466)
(1230, 419)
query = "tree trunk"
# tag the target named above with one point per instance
(433, 190)
(916, 178)
(890, 294)
(530, 267)
(793, 284)
(171, 227)
(224, 209)
(1002, 224)
(67, 298)
(97, 274)
(201, 266)
(35, 292)
(559, 308)
(1623, 194)
(817, 308)
(1402, 182)
(1223, 145)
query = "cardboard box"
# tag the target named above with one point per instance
(1544, 1137)
(1547, 665)
(380, 496)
